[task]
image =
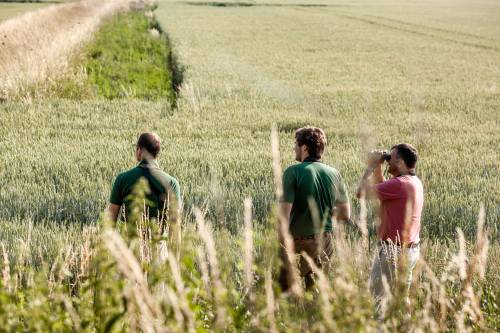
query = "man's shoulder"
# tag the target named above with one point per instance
(414, 181)
(165, 176)
(132, 173)
(326, 169)
(292, 167)
(394, 181)
(166, 180)
(312, 167)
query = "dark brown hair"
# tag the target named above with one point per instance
(408, 153)
(151, 142)
(314, 138)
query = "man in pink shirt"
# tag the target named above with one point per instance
(401, 200)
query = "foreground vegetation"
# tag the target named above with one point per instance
(104, 280)
(370, 76)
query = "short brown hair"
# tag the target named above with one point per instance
(151, 142)
(408, 153)
(314, 138)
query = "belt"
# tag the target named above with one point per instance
(311, 236)
(406, 245)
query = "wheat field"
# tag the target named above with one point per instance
(370, 73)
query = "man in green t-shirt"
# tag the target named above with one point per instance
(163, 202)
(314, 194)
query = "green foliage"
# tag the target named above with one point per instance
(71, 291)
(127, 60)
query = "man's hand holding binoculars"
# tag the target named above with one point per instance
(377, 157)
(374, 166)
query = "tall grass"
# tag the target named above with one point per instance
(105, 284)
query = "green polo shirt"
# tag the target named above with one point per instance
(319, 182)
(125, 182)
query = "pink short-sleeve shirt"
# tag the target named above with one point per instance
(401, 201)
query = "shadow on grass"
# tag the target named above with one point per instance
(174, 67)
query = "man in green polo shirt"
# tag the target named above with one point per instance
(163, 202)
(314, 194)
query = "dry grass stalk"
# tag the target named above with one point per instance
(220, 292)
(75, 318)
(145, 236)
(324, 293)
(270, 302)
(174, 302)
(168, 295)
(461, 257)
(275, 150)
(362, 222)
(480, 255)
(184, 304)
(131, 309)
(428, 319)
(87, 251)
(6, 268)
(248, 247)
(151, 314)
(202, 261)
(477, 266)
(172, 215)
(37, 46)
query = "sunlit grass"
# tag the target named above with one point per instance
(402, 77)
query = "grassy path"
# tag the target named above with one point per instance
(9, 10)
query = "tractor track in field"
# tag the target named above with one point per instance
(416, 25)
(410, 28)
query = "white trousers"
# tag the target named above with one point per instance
(387, 265)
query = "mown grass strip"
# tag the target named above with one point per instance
(130, 58)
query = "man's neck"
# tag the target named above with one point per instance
(310, 159)
(406, 172)
(149, 161)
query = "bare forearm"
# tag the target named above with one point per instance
(113, 211)
(378, 176)
(364, 183)
(284, 218)
(370, 177)
(342, 212)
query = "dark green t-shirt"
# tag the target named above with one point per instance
(319, 182)
(125, 182)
